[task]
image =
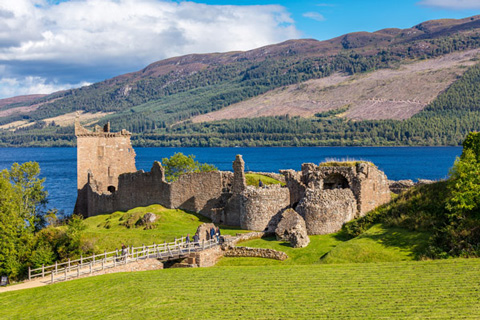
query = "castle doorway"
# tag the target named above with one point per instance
(335, 181)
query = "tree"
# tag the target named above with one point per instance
(22, 200)
(179, 164)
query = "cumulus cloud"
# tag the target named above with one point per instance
(451, 4)
(10, 87)
(121, 35)
(314, 15)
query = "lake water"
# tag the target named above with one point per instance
(59, 167)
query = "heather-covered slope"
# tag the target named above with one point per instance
(153, 101)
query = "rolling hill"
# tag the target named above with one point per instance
(391, 74)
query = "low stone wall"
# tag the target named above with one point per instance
(140, 265)
(247, 252)
(232, 241)
(209, 257)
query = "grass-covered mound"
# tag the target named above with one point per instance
(109, 231)
(252, 179)
(420, 289)
(378, 244)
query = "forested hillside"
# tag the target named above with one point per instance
(158, 103)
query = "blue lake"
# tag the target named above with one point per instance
(59, 166)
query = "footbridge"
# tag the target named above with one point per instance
(95, 263)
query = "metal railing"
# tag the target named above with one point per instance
(98, 262)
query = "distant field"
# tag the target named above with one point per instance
(442, 289)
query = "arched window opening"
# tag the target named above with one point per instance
(335, 181)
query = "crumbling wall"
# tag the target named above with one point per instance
(372, 189)
(260, 205)
(197, 192)
(325, 211)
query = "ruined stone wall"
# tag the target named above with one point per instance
(247, 252)
(208, 257)
(260, 205)
(373, 188)
(325, 211)
(103, 153)
(197, 192)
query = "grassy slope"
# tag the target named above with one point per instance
(420, 289)
(378, 244)
(252, 179)
(171, 223)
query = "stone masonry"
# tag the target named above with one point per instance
(325, 196)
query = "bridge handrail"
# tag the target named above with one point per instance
(179, 246)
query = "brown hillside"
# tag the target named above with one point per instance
(383, 94)
(19, 99)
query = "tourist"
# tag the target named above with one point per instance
(187, 240)
(217, 233)
(124, 251)
(212, 232)
(260, 183)
(196, 239)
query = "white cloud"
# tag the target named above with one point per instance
(314, 15)
(10, 87)
(451, 4)
(87, 36)
(92, 31)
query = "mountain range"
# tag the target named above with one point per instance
(416, 86)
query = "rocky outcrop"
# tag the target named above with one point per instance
(292, 228)
(325, 211)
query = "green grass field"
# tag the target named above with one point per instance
(378, 244)
(108, 232)
(442, 289)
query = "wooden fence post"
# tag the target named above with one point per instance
(43, 271)
(81, 259)
(94, 258)
(68, 265)
(29, 274)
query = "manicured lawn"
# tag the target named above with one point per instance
(378, 244)
(443, 289)
(109, 232)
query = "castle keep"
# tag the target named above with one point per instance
(325, 196)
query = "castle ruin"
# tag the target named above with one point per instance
(325, 196)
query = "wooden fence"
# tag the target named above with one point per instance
(97, 262)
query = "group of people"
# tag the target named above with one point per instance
(213, 233)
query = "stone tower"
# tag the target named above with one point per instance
(102, 156)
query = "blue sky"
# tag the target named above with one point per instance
(50, 45)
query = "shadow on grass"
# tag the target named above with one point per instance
(404, 239)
